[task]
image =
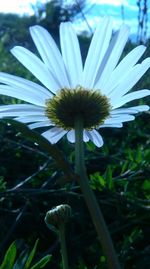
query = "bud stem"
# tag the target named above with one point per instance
(91, 201)
(63, 247)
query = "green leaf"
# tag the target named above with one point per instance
(21, 260)
(138, 157)
(146, 185)
(130, 154)
(97, 182)
(2, 184)
(124, 167)
(9, 258)
(90, 146)
(31, 255)
(146, 188)
(102, 181)
(102, 259)
(42, 262)
(82, 265)
(109, 179)
(136, 233)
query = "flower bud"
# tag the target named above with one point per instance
(58, 216)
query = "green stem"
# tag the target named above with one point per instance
(91, 201)
(63, 247)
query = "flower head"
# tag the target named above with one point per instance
(95, 92)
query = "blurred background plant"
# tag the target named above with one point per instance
(24, 260)
(31, 183)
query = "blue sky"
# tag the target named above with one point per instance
(122, 11)
(95, 9)
(18, 6)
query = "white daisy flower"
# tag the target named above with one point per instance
(95, 92)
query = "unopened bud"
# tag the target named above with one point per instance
(58, 216)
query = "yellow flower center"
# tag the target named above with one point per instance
(89, 105)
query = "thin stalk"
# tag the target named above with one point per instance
(63, 247)
(91, 201)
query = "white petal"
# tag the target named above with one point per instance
(36, 67)
(124, 68)
(130, 110)
(119, 119)
(50, 54)
(97, 50)
(130, 97)
(71, 136)
(21, 107)
(129, 81)
(111, 57)
(120, 116)
(20, 110)
(85, 136)
(115, 125)
(71, 53)
(95, 137)
(54, 134)
(27, 119)
(25, 85)
(27, 96)
(39, 124)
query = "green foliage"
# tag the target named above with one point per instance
(9, 258)
(42, 262)
(31, 255)
(81, 265)
(3, 184)
(146, 188)
(24, 260)
(97, 181)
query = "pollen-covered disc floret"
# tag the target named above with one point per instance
(91, 106)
